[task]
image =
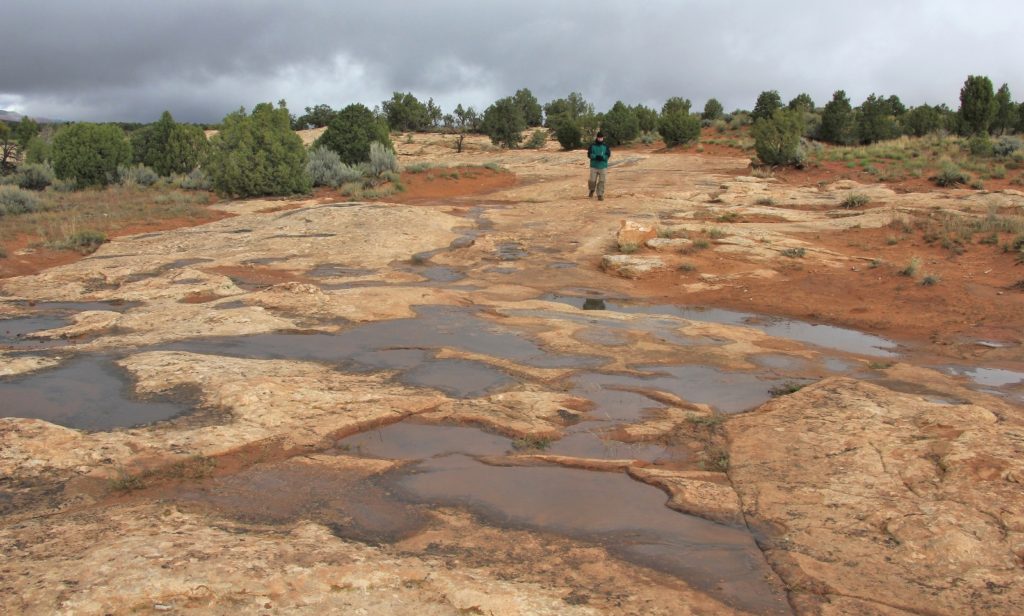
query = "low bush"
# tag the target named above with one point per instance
(950, 175)
(911, 268)
(786, 388)
(777, 140)
(17, 201)
(196, 180)
(138, 175)
(1006, 146)
(35, 176)
(980, 145)
(537, 140)
(326, 169)
(794, 253)
(679, 127)
(382, 158)
(85, 242)
(855, 200)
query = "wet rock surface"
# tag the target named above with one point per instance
(469, 405)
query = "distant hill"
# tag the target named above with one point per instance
(13, 116)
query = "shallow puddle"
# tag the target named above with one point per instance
(587, 443)
(611, 404)
(46, 316)
(434, 328)
(510, 251)
(626, 517)
(827, 336)
(335, 270)
(88, 394)
(13, 331)
(728, 392)
(458, 378)
(438, 273)
(414, 441)
(291, 491)
(989, 377)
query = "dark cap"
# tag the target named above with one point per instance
(600, 135)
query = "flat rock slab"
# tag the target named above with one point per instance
(886, 499)
(699, 493)
(629, 266)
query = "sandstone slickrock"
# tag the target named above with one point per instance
(886, 499)
(630, 266)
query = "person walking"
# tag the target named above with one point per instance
(598, 153)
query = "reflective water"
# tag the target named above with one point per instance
(90, 393)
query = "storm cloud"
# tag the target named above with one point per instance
(129, 60)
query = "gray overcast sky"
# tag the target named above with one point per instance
(131, 59)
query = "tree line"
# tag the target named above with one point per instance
(258, 152)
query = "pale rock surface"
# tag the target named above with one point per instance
(629, 266)
(873, 496)
(536, 414)
(701, 493)
(633, 233)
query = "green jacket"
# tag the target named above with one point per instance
(599, 153)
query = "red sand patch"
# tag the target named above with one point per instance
(974, 296)
(257, 275)
(434, 185)
(24, 258)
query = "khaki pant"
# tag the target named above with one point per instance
(597, 179)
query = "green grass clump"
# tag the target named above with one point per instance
(85, 242)
(855, 200)
(950, 176)
(911, 268)
(527, 443)
(127, 482)
(930, 280)
(789, 387)
(715, 458)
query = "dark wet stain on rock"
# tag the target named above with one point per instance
(295, 490)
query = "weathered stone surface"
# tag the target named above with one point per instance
(633, 233)
(12, 365)
(700, 493)
(629, 266)
(136, 267)
(668, 244)
(885, 498)
(85, 323)
(295, 404)
(514, 413)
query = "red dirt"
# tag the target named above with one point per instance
(437, 185)
(973, 299)
(431, 185)
(37, 259)
(256, 275)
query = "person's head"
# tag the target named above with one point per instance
(600, 136)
